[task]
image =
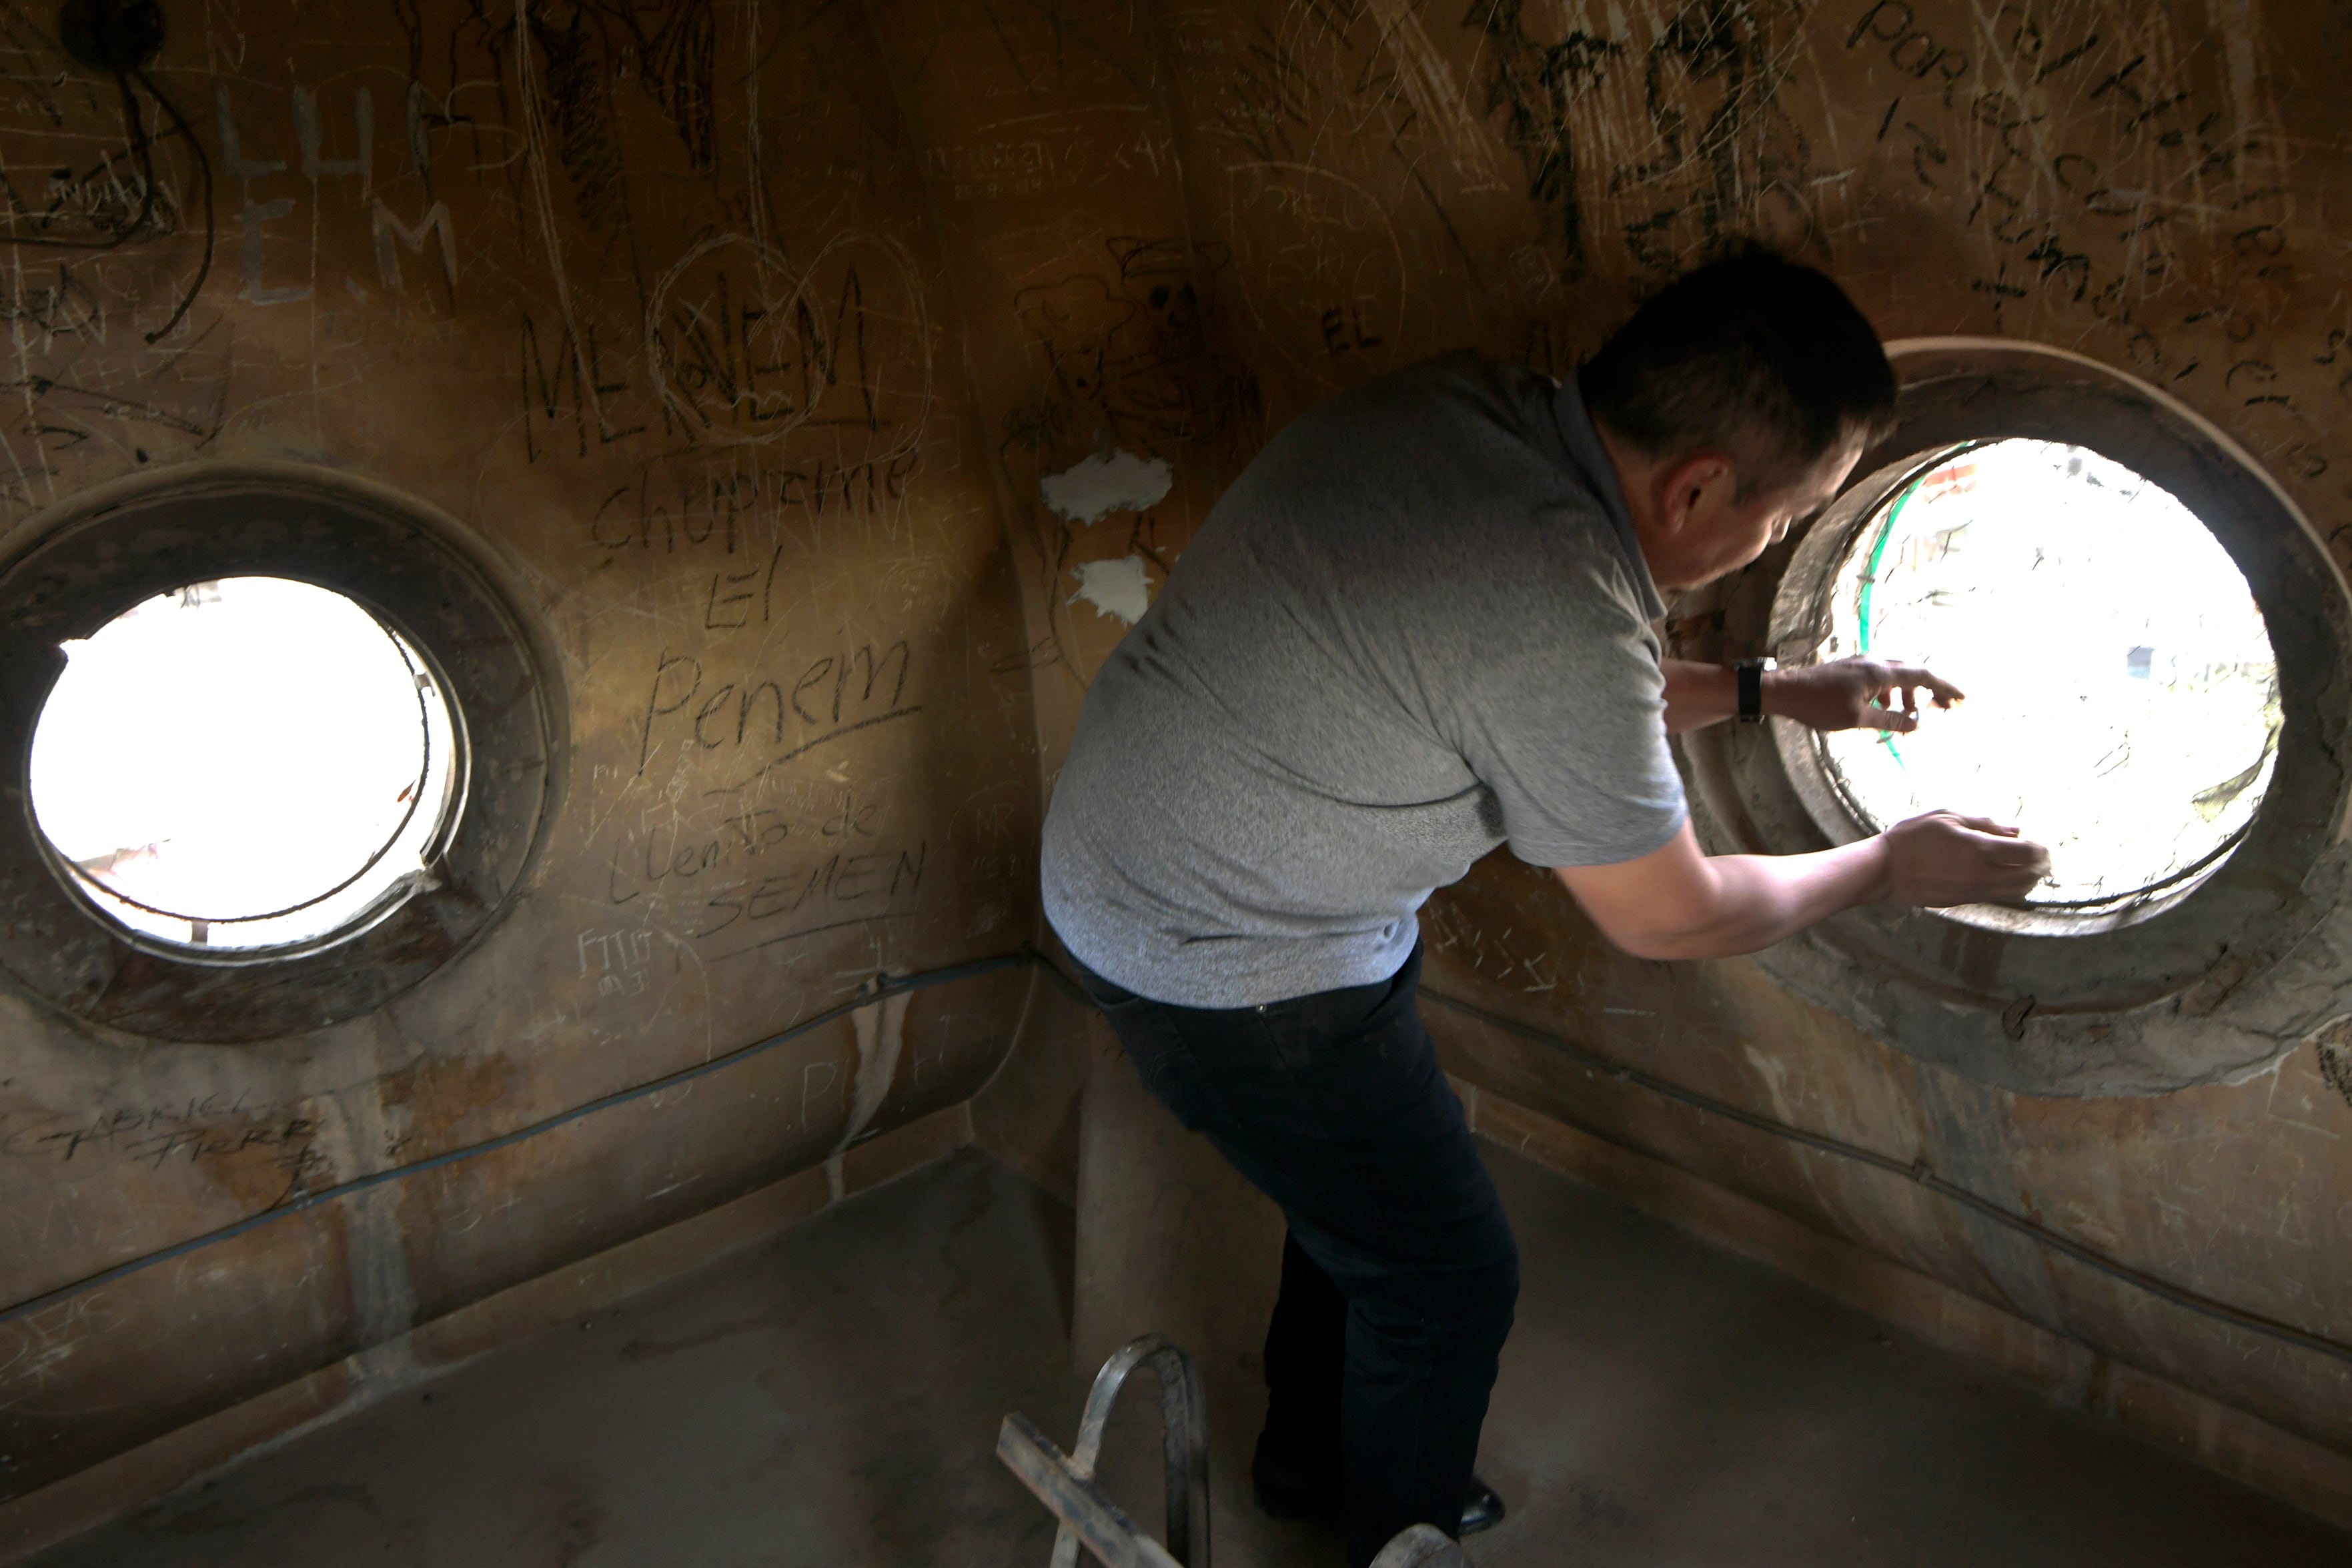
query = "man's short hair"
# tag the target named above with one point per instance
(1752, 355)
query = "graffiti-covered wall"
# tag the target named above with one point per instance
(831, 387)
(646, 303)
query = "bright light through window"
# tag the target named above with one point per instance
(242, 764)
(2122, 695)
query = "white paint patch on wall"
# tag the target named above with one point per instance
(1114, 481)
(1119, 588)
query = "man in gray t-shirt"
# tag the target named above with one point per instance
(1419, 626)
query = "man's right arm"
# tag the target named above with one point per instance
(1679, 902)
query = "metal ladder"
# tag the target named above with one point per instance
(1064, 1483)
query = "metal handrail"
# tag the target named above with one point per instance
(1066, 1482)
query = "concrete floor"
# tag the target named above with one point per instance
(833, 1398)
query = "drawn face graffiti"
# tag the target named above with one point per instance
(1721, 156)
(1075, 322)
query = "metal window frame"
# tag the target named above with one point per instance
(76, 568)
(2210, 981)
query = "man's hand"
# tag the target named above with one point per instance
(1678, 901)
(1855, 694)
(1942, 858)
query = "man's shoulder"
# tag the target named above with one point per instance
(1438, 490)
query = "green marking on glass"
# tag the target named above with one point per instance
(1870, 581)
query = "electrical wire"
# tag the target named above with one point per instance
(203, 172)
(142, 151)
(1916, 1172)
(887, 986)
(142, 157)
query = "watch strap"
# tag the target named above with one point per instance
(1750, 675)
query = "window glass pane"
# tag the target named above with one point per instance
(243, 763)
(2122, 697)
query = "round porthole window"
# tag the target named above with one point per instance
(245, 764)
(2155, 650)
(2123, 707)
(274, 746)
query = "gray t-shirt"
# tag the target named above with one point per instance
(1416, 627)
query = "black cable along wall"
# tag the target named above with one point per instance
(1916, 1172)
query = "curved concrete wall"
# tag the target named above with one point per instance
(649, 304)
(1367, 183)
(750, 336)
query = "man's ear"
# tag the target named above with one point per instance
(1694, 486)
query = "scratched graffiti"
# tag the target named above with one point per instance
(737, 826)
(2090, 172)
(1350, 162)
(631, 288)
(741, 348)
(651, 308)
(204, 1130)
(629, 291)
(1124, 362)
(2332, 1049)
(1667, 145)
(2121, 184)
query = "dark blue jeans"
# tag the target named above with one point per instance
(1399, 1274)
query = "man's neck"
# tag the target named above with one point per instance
(1637, 475)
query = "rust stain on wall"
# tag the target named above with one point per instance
(438, 1099)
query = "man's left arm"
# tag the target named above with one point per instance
(1844, 694)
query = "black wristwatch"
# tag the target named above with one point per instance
(1751, 673)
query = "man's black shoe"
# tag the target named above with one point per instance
(1481, 1508)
